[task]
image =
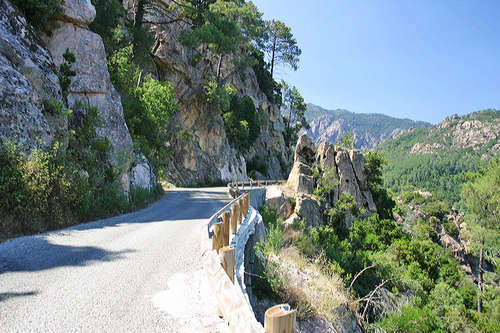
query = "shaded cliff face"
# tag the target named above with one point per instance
(29, 79)
(369, 129)
(204, 153)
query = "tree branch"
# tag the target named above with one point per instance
(357, 275)
(371, 296)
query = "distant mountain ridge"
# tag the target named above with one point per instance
(436, 158)
(369, 129)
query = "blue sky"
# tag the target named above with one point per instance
(417, 59)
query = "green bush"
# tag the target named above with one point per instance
(411, 319)
(109, 14)
(60, 186)
(242, 122)
(256, 164)
(41, 14)
(148, 108)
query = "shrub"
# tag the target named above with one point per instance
(411, 319)
(148, 109)
(242, 122)
(256, 164)
(66, 72)
(41, 14)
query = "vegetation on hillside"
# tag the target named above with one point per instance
(399, 276)
(441, 168)
(63, 185)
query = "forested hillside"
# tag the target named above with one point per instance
(436, 158)
(416, 265)
(368, 129)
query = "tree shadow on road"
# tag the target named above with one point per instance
(5, 296)
(37, 253)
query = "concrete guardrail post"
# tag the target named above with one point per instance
(280, 319)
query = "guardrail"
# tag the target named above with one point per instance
(222, 250)
(254, 183)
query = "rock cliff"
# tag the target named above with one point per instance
(206, 154)
(29, 66)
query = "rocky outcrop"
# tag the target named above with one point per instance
(92, 86)
(28, 79)
(347, 165)
(206, 154)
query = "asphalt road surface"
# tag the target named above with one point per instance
(138, 272)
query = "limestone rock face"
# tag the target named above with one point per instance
(206, 153)
(28, 79)
(80, 12)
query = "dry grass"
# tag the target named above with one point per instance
(306, 287)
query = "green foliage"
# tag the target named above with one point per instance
(57, 187)
(443, 170)
(41, 14)
(347, 140)
(56, 107)
(242, 122)
(266, 83)
(325, 181)
(148, 107)
(219, 33)
(257, 164)
(280, 45)
(293, 109)
(374, 164)
(66, 72)
(109, 14)
(218, 97)
(412, 319)
(274, 241)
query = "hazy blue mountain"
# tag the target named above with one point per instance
(369, 129)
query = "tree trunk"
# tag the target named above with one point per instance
(139, 13)
(138, 19)
(272, 57)
(219, 67)
(480, 283)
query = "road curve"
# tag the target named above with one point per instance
(138, 272)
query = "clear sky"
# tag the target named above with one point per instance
(417, 59)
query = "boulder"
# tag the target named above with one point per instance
(309, 209)
(305, 150)
(80, 12)
(142, 175)
(276, 199)
(300, 179)
(28, 79)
